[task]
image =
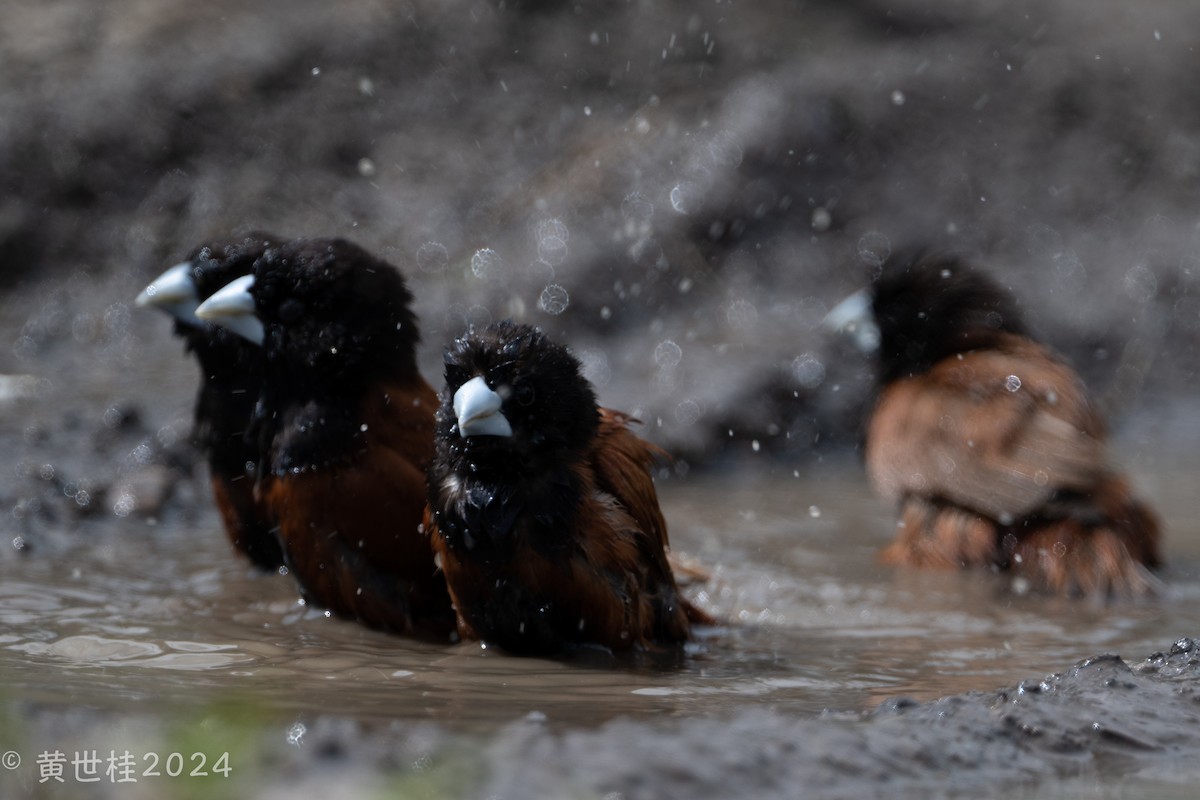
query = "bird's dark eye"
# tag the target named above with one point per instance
(524, 394)
(290, 311)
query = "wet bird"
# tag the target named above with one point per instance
(543, 511)
(345, 429)
(229, 385)
(988, 441)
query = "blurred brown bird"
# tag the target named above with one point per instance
(987, 440)
(543, 512)
(229, 385)
(345, 429)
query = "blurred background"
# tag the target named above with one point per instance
(677, 190)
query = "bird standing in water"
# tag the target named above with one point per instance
(345, 429)
(987, 440)
(229, 385)
(543, 511)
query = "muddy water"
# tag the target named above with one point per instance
(161, 620)
(813, 624)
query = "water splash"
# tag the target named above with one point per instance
(486, 263)
(668, 354)
(686, 197)
(1141, 284)
(554, 299)
(726, 149)
(552, 236)
(874, 248)
(432, 257)
(808, 371)
(636, 208)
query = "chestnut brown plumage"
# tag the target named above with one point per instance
(543, 511)
(345, 430)
(988, 441)
(229, 386)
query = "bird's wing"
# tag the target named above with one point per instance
(998, 431)
(622, 462)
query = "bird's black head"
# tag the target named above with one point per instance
(333, 312)
(929, 307)
(514, 403)
(214, 264)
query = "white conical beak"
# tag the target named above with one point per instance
(478, 410)
(853, 317)
(233, 309)
(173, 292)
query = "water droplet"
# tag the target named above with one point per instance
(636, 208)
(1012, 383)
(316, 71)
(486, 263)
(685, 197)
(687, 412)
(124, 505)
(1044, 241)
(874, 248)
(554, 299)
(1141, 284)
(741, 313)
(552, 236)
(897, 97)
(648, 254)
(432, 257)
(814, 512)
(808, 370)
(366, 86)
(366, 167)
(821, 219)
(668, 354)
(726, 149)
(296, 733)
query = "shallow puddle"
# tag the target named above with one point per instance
(814, 624)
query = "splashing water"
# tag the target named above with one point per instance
(874, 248)
(726, 149)
(636, 208)
(552, 236)
(432, 257)
(688, 412)
(486, 263)
(668, 354)
(554, 299)
(741, 313)
(685, 197)
(1141, 284)
(808, 370)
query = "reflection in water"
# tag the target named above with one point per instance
(815, 624)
